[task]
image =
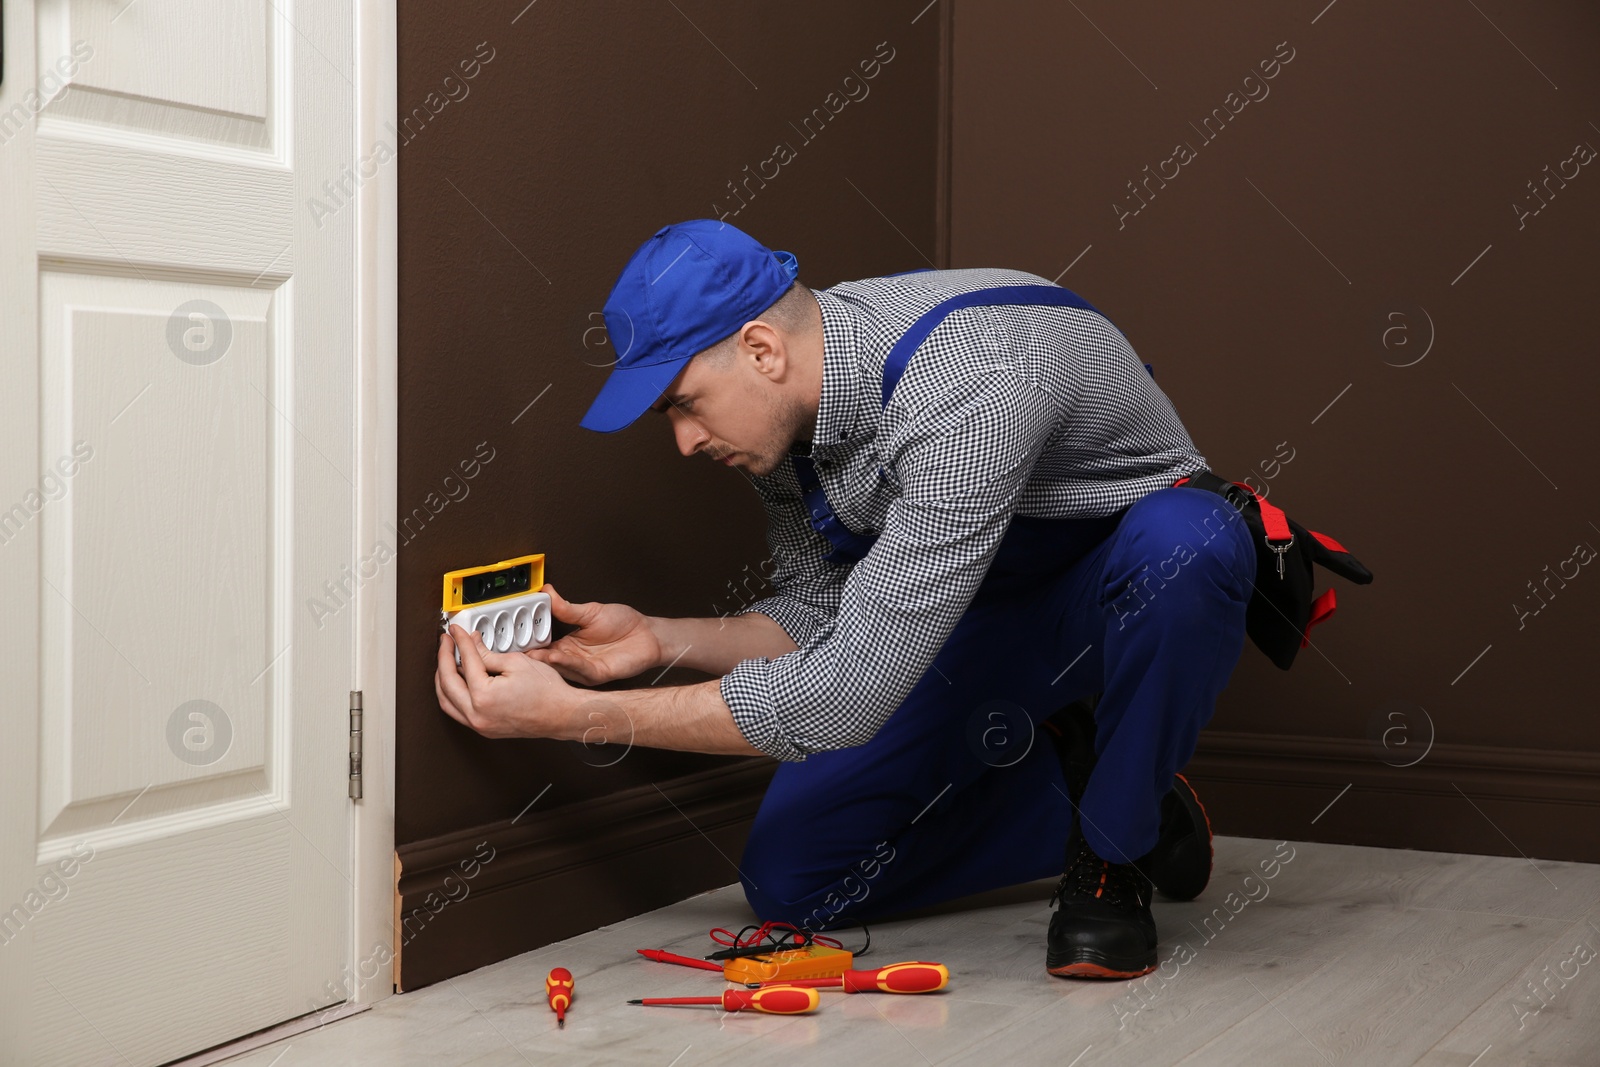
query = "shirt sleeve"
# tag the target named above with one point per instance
(961, 467)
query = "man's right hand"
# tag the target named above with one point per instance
(612, 641)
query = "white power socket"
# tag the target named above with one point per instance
(514, 624)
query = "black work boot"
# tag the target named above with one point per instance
(1103, 928)
(1180, 863)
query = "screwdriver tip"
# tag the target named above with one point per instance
(635, 1002)
(561, 1024)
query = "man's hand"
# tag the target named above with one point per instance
(520, 698)
(517, 694)
(612, 641)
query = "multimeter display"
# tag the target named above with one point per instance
(492, 585)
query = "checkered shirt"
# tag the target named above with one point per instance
(1003, 410)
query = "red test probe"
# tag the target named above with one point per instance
(663, 956)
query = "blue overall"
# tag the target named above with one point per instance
(960, 791)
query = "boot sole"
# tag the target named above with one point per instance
(1101, 967)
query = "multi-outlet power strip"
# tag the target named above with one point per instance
(501, 602)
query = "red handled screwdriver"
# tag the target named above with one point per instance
(558, 991)
(914, 976)
(786, 999)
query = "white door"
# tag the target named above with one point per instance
(177, 493)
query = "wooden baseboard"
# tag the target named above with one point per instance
(1456, 798)
(481, 895)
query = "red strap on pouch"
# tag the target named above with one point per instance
(1272, 516)
(1321, 608)
(1329, 543)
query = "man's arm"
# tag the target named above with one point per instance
(689, 718)
(612, 641)
(715, 645)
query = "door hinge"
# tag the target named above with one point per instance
(355, 744)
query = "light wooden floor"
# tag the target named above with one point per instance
(1348, 955)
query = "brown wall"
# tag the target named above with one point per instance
(1260, 281)
(587, 128)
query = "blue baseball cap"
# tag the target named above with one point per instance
(689, 286)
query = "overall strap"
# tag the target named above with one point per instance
(900, 355)
(849, 546)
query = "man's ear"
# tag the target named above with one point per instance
(767, 348)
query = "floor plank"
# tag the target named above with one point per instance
(1546, 1015)
(1401, 980)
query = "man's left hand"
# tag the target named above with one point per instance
(500, 694)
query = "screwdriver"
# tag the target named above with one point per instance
(773, 999)
(913, 976)
(558, 991)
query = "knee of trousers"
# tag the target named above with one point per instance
(781, 892)
(783, 879)
(777, 878)
(771, 886)
(1181, 547)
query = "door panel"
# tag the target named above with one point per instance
(176, 478)
(216, 62)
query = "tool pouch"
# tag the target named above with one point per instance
(1282, 609)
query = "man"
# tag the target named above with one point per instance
(968, 481)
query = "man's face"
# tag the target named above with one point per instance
(733, 413)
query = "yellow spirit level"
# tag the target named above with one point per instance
(497, 581)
